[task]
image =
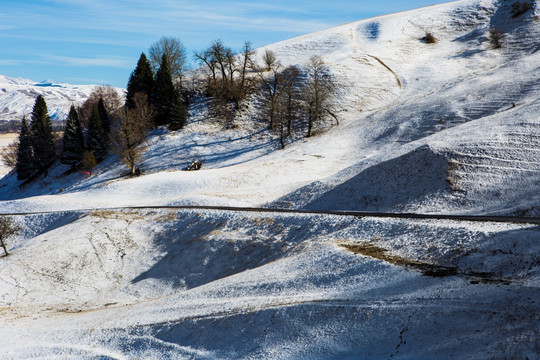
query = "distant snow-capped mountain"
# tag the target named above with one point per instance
(17, 97)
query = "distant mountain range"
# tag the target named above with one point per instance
(17, 97)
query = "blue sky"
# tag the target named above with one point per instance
(99, 41)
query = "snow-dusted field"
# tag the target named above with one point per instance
(450, 127)
(209, 284)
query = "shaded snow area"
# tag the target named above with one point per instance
(213, 284)
(450, 127)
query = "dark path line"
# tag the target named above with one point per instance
(359, 214)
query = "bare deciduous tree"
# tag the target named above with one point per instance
(319, 93)
(271, 84)
(130, 133)
(207, 60)
(246, 63)
(8, 228)
(9, 155)
(269, 59)
(111, 99)
(226, 75)
(288, 102)
(176, 55)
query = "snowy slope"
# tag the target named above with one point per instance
(439, 95)
(474, 108)
(207, 284)
(17, 97)
(450, 127)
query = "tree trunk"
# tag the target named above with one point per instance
(281, 136)
(289, 115)
(310, 122)
(272, 112)
(3, 244)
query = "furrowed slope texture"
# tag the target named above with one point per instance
(213, 284)
(475, 107)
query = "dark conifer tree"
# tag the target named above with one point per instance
(140, 81)
(104, 116)
(166, 99)
(177, 116)
(42, 137)
(73, 141)
(96, 141)
(25, 155)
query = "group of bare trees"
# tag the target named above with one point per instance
(226, 77)
(292, 95)
(282, 90)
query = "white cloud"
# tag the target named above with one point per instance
(114, 22)
(8, 62)
(116, 62)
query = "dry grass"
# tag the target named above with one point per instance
(172, 216)
(379, 253)
(117, 215)
(263, 221)
(7, 138)
(5, 141)
(427, 269)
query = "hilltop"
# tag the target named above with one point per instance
(444, 127)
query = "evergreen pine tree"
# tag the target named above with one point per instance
(177, 115)
(73, 141)
(42, 137)
(141, 80)
(25, 155)
(166, 99)
(104, 116)
(96, 141)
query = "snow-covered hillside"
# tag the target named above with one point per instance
(17, 97)
(210, 284)
(448, 127)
